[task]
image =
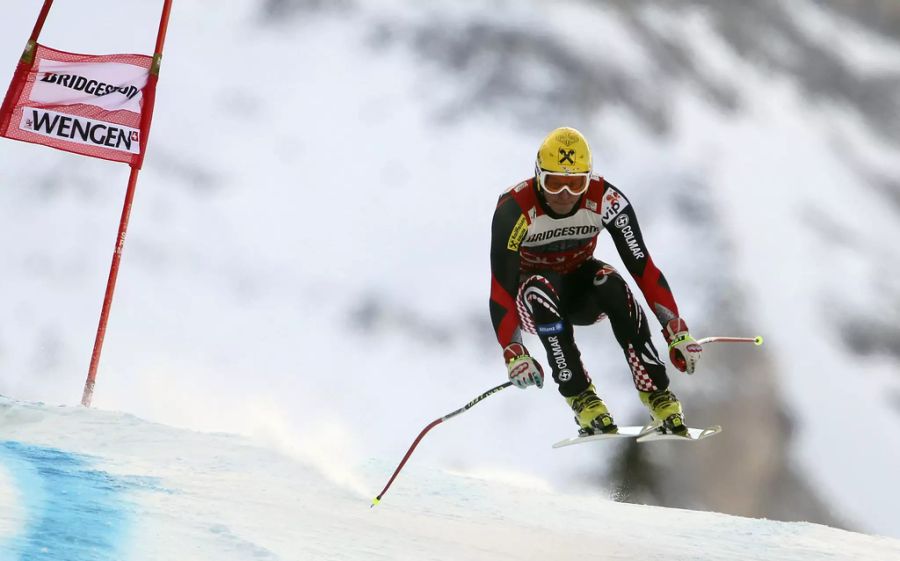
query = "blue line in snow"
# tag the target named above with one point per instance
(74, 512)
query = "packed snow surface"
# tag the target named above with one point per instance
(87, 485)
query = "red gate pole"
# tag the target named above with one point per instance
(42, 17)
(88, 394)
(24, 66)
(147, 113)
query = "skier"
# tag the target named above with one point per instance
(545, 279)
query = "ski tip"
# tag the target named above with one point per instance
(758, 340)
(375, 501)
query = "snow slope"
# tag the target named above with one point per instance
(95, 485)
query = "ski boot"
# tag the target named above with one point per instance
(665, 408)
(591, 413)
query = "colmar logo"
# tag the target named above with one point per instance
(622, 221)
(630, 239)
(558, 356)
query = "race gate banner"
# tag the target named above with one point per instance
(89, 105)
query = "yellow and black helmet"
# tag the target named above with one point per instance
(565, 151)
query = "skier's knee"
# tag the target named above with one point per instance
(539, 302)
(608, 278)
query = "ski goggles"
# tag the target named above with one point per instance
(574, 183)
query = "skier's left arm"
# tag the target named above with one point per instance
(622, 224)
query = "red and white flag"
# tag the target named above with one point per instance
(97, 106)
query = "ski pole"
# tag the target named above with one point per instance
(758, 340)
(433, 424)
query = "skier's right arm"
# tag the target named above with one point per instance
(505, 240)
(507, 231)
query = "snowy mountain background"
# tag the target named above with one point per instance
(295, 270)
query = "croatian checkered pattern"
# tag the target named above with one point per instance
(535, 291)
(641, 377)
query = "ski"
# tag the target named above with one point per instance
(623, 432)
(693, 434)
(647, 433)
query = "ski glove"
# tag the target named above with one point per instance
(684, 351)
(523, 370)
